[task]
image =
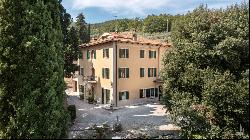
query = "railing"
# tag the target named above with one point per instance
(90, 78)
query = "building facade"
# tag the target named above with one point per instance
(120, 70)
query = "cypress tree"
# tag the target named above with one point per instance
(31, 70)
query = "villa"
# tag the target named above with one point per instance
(120, 69)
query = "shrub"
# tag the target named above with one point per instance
(81, 96)
(91, 99)
(72, 111)
(117, 127)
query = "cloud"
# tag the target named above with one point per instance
(122, 6)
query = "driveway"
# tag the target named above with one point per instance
(149, 117)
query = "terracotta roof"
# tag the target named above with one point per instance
(124, 37)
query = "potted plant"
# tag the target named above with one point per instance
(90, 99)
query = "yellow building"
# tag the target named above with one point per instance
(120, 69)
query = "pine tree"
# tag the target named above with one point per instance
(81, 26)
(31, 70)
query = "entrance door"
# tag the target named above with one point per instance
(75, 87)
(102, 96)
(107, 96)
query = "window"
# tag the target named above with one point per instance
(124, 95)
(151, 72)
(123, 53)
(152, 54)
(105, 73)
(106, 53)
(123, 72)
(141, 72)
(81, 71)
(93, 54)
(142, 95)
(141, 53)
(148, 92)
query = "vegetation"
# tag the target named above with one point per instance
(206, 76)
(150, 25)
(72, 111)
(70, 42)
(83, 31)
(31, 70)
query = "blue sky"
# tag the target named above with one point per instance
(96, 11)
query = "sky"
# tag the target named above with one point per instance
(96, 11)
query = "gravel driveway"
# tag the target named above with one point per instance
(148, 117)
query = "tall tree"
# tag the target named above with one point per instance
(71, 52)
(31, 70)
(206, 76)
(81, 27)
(70, 42)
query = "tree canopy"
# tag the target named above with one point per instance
(31, 70)
(205, 77)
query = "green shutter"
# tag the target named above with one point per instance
(149, 54)
(127, 72)
(107, 71)
(120, 53)
(87, 54)
(154, 72)
(127, 95)
(155, 54)
(103, 53)
(119, 72)
(107, 53)
(102, 72)
(141, 72)
(120, 95)
(127, 54)
(148, 72)
(94, 54)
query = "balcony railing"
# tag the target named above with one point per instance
(91, 79)
(158, 80)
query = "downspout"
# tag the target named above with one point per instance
(116, 74)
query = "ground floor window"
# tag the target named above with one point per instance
(105, 94)
(124, 95)
(149, 92)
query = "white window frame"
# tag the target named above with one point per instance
(125, 72)
(125, 54)
(123, 91)
(154, 54)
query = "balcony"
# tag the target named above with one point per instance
(90, 79)
(158, 80)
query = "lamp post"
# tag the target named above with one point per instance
(167, 25)
(116, 30)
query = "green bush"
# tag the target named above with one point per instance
(81, 96)
(206, 76)
(91, 99)
(72, 111)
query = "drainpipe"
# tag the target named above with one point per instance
(116, 74)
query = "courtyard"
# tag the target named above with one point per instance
(150, 118)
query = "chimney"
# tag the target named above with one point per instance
(135, 37)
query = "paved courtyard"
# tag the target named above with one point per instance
(148, 117)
